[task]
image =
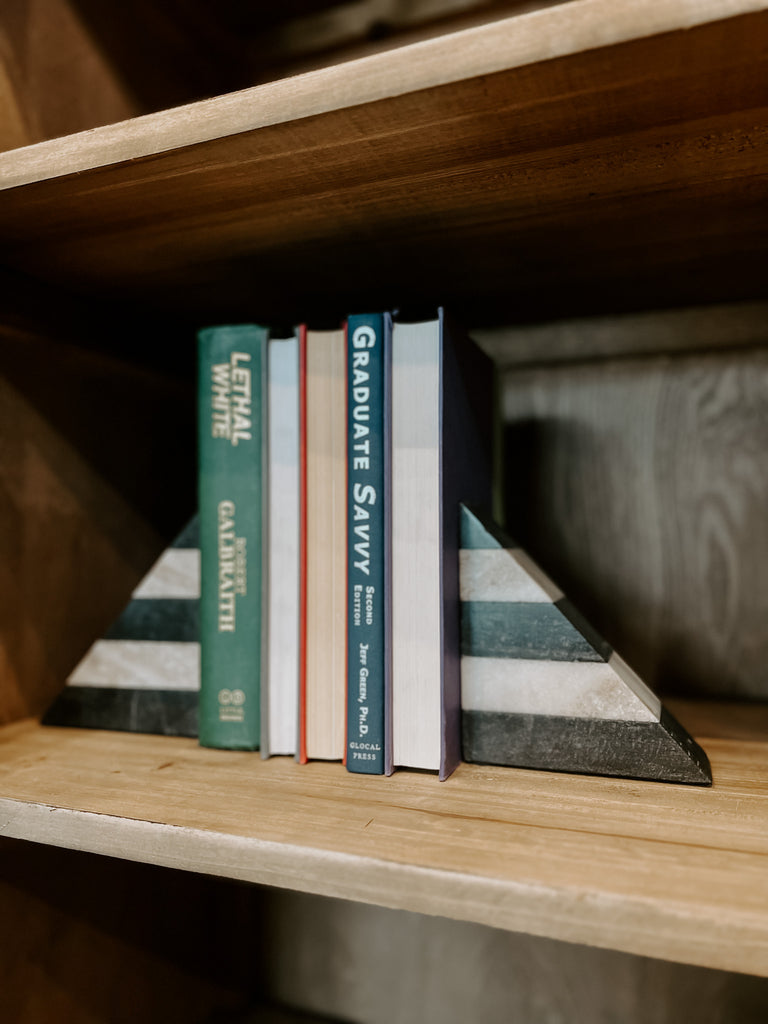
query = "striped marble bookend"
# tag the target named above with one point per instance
(144, 674)
(540, 689)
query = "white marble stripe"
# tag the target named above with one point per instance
(176, 573)
(561, 688)
(140, 664)
(635, 683)
(498, 574)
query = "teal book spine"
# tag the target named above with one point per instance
(231, 464)
(368, 541)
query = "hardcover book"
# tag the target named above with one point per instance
(368, 539)
(322, 708)
(442, 452)
(231, 443)
(279, 710)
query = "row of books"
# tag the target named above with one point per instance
(331, 467)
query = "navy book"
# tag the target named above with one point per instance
(368, 533)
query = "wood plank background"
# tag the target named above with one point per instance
(96, 475)
(377, 966)
(54, 76)
(568, 186)
(641, 486)
(91, 940)
(71, 65)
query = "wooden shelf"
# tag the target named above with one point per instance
(591, 156)
(666, 871)
(585, 159)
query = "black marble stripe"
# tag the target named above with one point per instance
(590, 634)
(166, 618)
(166, 712)
(500, 629)
(190, 535)
(660, 751)
(481, 534)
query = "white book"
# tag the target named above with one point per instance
(281, 694)
(326, 545)
(442, 446)
(416, 548)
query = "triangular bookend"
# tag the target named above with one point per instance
(540, 689)
(143, 675)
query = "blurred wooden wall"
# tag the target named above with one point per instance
(636, 473)
(92, 940)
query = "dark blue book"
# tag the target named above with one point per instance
(368, 533)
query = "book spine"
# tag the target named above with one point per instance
(301, 740)
(279, 697)
(367, 542)
(231, 440)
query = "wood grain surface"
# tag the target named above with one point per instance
(89, 940)
(594, 157)
(13, 131)
(661, 870)
(341, 958)
(529, 189)
(86, 438)
(640, 485)
(59, 77)
(651, 332)
(75, 926)
(535, 37)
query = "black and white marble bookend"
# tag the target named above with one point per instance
(143, 675)
(540, 689)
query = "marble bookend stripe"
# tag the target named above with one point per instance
(143, 675)
(541, 689)
(537, 631)
(660, 751)
(140, 665)
(175, 576)
(161, 619)
(165, 712)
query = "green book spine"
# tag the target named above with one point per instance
(231, 441)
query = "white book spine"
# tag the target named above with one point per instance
(416, 547)
(283, 545)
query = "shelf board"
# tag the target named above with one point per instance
(566, 29)
(667, 871)
(591, 155)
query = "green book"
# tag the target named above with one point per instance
(232, 470)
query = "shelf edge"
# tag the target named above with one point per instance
(529, 38)
(630, 924)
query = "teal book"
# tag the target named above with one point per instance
(368, 496)
(232, 364)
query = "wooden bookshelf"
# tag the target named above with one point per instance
(660, 870)
(578, 160)
(591, 156)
